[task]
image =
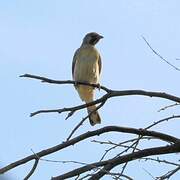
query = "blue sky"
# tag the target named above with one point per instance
(40, 37)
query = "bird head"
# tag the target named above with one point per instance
(92, 38)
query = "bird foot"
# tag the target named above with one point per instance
(75, 83)
(99, 86)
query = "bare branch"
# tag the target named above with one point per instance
(119, 145)
(104, 167)
(135, 144)
(32, 170)
(75, 108)
(110, 95)
(134, 147)
(155, 52)
(76, 127)
(113, 144)
(149, 174)
(89, 134)
(169, 174)
(82, 121)
(162, 120)
(169, 106)
(51, 81)
(64, 161)
(160, 161)
(111, 163)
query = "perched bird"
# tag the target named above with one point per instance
(86, 67)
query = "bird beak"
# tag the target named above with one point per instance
(100, 37)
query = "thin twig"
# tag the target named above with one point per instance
(64, 161)
(160, 161)
(169, 106)
(87, 135)
(111, 143)
(155, 52)
(149, 174)
(72, 109)
(76, 127)
(169, 174)
(116, 145)
(32, 170)
(111, 165)
(123, 169)
(134, 147)
(162, 120)
(82, 121)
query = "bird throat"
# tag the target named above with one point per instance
(93, 41)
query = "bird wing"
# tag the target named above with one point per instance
(100, 64)
(74, 61)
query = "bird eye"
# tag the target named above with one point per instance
(93, 40)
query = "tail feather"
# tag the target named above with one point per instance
(94, 118)
(86, 94)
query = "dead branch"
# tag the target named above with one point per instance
(169, 174)
(109, 94)
(142, 132)
(32, 170)
(111, 163)
(156, 53)
(104, 167)
(158, 160)
(162, 120)
(169, 106)
(82, 121)
(51, 81)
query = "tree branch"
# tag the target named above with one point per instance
(162, 120)
(156, 53)
(51, 81)
(169, 106)
(73, 109)
(32, 170)
(169, 174)
(82, 121)
(109, 94)
(111, 163)
(160, 161)
(89, 134)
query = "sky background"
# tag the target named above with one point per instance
(40, 37)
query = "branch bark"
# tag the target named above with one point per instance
(109, 94)
(104, 167)
(87, 135)
(111, 163)
(32, 170)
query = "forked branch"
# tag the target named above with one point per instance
(109, 94)
(87, 135)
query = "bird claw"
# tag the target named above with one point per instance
(99, 86)
(75, 83)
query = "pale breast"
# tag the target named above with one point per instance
(86, 67)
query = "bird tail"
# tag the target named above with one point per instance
(94, 117)
(86, 94)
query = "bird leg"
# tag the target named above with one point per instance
(99, 86)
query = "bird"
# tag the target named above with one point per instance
(86, 67)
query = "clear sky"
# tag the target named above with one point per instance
(40, 37)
